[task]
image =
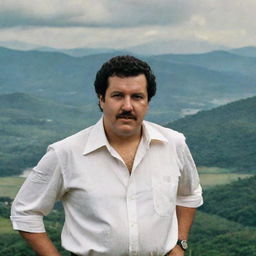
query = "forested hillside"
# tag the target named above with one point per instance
(28, 125)
(212, 235)
(235, 201)
(224, 136)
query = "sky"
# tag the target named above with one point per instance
(154, 25)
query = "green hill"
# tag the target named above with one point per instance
(212, 235)
(28, 125)
(235, 201)
(226, 224)
(224, 136)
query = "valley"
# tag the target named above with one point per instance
(210, 98)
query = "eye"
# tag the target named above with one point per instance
(138, 97)
(117, 95)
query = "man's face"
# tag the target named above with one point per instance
(125, 105)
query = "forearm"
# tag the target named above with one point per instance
(40, 243)
(185, 217)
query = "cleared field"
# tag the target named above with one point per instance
(212, 179)
(215, 170)
(211, 176)
(5, 225)
(9, 186)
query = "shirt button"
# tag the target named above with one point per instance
(133, 224)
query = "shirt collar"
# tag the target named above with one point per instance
(97, 137)
(151, 133)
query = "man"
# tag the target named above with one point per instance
(128, 186)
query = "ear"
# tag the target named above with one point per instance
(101, 101)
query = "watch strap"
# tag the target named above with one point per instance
(183, 244)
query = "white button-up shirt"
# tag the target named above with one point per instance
(109, 211)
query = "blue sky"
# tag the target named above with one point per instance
(172, 25)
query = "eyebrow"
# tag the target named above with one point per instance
(141, 93)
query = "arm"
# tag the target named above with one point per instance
(185, 216)
(40, 243)
(35, 199)
(189, 196)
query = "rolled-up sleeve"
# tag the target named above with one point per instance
(38, 194)
(189, 189)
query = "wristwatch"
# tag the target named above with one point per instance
(183, 244)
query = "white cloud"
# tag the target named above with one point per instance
(54, 13)
(197, 21)
(110, 13)
(76, 37)
(117, 24)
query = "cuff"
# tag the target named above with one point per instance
(33, 224)
(192, 201)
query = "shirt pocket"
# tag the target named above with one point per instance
(164, 194)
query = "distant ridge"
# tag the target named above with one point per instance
(29, 124)
(227, 61)
(78, 52)
(150, 48)
(186, 83)
(224, 136)
(249, 51)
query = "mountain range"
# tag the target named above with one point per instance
(45, 96)
(186, 83)
(148, 48)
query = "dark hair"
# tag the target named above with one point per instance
(124, 66)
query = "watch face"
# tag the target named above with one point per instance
(184, 244)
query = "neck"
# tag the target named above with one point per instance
(116, 139)
(121, 140)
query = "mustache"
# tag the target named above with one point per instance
(127, 115)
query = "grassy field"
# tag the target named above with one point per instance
(6, 226)
(9, 186)
(214, 170)
(209, 176)
(212, 179)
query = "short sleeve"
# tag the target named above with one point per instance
(189, 188)
(37, 196)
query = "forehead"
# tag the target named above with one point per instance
(131, 83)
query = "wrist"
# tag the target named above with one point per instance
(183, 244)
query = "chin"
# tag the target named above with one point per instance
(129, 133)
(125, 133)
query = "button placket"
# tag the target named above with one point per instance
(132, 219)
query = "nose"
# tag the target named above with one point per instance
(127, 104)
